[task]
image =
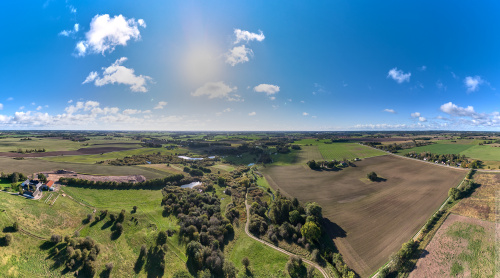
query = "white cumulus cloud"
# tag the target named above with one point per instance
(454, 110)
(268, 89)
(415, 115)
(242, 35)
(390, 111)
(217, 90)
(106, 33)
(116, 73)
(399, 76)
(252, 113)
(472, 83)
(238, 54)
(422, 119)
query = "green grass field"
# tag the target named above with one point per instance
(489, 154)
(243, 159)
(440, 148)
(310, 141)
(479, 254)
(264, 261)
(340, 151)
(40, 218)
(484, 152)
(12, 144)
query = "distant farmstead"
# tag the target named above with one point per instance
(48, 186)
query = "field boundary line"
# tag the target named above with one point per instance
(319, 268)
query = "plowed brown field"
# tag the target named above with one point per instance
(370, 220)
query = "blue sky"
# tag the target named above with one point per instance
(250, 65)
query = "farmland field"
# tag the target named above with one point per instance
(482, 203)
(35, 165)
(373, 218)
(462, 247)
(93, 158)
(339, 151)
(439, 149)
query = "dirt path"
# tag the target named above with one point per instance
(319, 268)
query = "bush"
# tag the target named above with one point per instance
(55, 238)
(121, 216)
(109, 267)
(15, 227)
(315, 255)
(144, 251)
(134, 209)
(8, 239)
(372, 176)
(119, 229)
(246, 262)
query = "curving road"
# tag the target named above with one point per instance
(319, 268)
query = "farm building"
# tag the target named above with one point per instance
(31, 188)
(48, 186)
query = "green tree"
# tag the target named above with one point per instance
(311, 231)
(295, 217)
(229, 269)
(15, 177)
(42, 177)
(372, 176)
(181, 274)
(313, 209)
(454, 193)
(162, 238)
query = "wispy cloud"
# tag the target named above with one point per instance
(390, 111)
(415, 115)
(422, 68)
(160, 105)
(106, 33)
(305, 114)
(252, 113)
(73, 31)
(398, 75)
(217, 90)
(116, 73)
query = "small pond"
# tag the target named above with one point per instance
(191, 185)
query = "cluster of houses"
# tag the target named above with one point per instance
(33, 188)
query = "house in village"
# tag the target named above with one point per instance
(31, 188)
(48, 186)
